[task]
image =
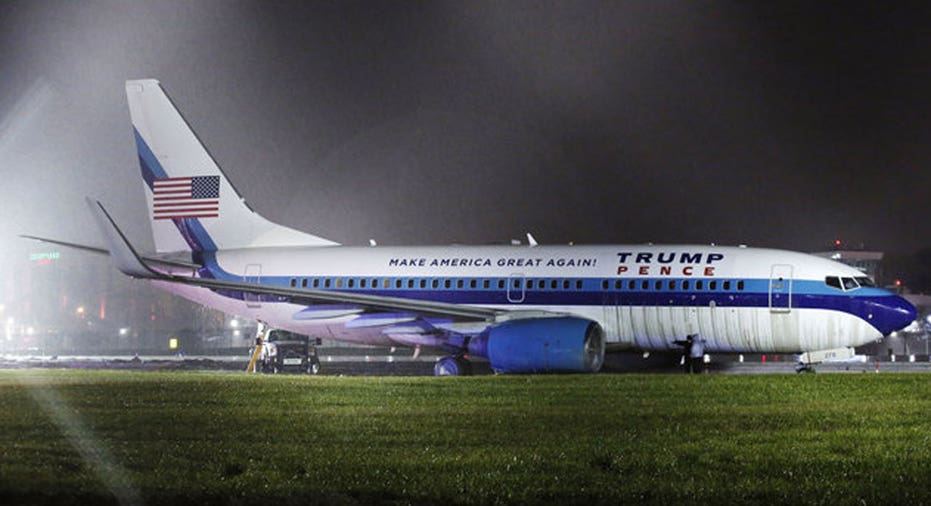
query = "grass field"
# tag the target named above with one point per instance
(160, 438)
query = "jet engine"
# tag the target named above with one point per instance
(542, 345)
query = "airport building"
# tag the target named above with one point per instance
(70, 302)
(867, 262)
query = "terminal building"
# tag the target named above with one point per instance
(867, 262)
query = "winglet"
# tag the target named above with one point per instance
(122, 253)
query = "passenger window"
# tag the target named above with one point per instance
(617, 284)
(604, 284)
(459, 283)
(447, 284)
(316, 282)
(386, 283)
(423, 283)
(672, 285)
(712, 285)
(727, 285)
(304, 283)
(472, 283)
(410, 283)
(515, 283)
(398, 283)
(339, 282)
(578, 284)
(699, 285)
(565, 284)
(645, 285)
(326, 283)
(486, 284)
(435, 283)
(833, 282)
(363, 282)
(657, 285)
(685, 285)
(374, 283)
(500, 284)
(631, 285)
(740, 285)
(293, 281)
(351, 283)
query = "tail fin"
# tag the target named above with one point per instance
(192, 205)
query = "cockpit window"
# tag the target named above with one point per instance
(833, 282)
(850, 284)
(865, 281)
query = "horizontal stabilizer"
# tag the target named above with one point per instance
(104, 251)
(82, 247)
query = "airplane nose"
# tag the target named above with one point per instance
(895, 313)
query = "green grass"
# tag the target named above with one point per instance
(95, 436)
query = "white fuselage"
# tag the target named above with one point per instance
(644, 297)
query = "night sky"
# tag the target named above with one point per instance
(774, 124)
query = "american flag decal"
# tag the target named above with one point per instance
(186, 197)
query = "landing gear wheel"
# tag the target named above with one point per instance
(452, 366)
(804, 369)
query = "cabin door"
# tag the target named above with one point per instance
(780, 289)
(516, 288)
(253, 275)
(612, 316)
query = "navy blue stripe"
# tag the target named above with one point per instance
(190, 229)
(806, 294)
(151, 169)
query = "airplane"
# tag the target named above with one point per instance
(525, 309)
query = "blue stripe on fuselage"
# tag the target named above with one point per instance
(807, 294)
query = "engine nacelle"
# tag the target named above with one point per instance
(541, 345)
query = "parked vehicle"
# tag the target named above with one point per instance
(285, 351)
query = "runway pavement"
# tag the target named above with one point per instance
(380, 363)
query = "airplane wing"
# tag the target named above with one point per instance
(128, 261)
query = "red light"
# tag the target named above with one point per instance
(837, 242)
(898, 282)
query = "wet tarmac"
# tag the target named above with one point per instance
(356, 364)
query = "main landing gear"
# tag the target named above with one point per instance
(453, 366)
(803, 368)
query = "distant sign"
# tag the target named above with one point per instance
(173, 343)
(44, 258)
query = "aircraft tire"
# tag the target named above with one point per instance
(452, 366)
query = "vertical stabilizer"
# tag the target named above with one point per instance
(192, 205)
